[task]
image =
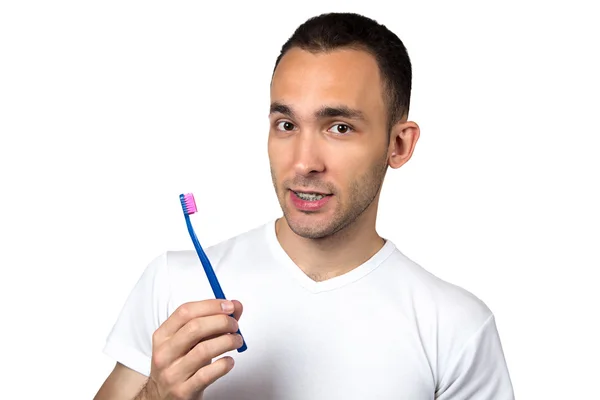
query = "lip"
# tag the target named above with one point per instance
(307, 205)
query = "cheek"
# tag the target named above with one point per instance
(272, 148)
(277, 156)
(344, 168)
(351, 167)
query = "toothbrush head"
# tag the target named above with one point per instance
(188, 203)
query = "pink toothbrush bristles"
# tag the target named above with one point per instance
(190, 203)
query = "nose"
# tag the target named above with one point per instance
(308, 154)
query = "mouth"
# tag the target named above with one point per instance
(309, 201)
(309, 195)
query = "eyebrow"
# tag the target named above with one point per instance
(322, 113)
(280, 108)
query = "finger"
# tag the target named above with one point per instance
(204, 352)
(188, 311)
(193, 332)
(208, 374)
(239, 309)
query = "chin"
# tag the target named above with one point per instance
(309, 231)
(311, 226)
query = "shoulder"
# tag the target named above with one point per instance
(181, 260)
(179, 275)
(453, 305)
(448, 317)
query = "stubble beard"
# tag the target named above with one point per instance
(361, 194)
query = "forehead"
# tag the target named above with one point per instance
(308, 80)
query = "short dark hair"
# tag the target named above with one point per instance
(331, 31)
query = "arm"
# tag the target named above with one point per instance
(129, 343)
(183, 349)
(175, 351)
(122, 384)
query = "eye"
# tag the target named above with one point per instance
(342, 129)
(285, 126)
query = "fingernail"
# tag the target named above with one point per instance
(227, 306)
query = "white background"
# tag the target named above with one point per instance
(109, 110)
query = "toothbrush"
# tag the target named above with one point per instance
(189, 207)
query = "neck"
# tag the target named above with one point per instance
(334, 255)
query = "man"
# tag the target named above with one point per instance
(332, 310)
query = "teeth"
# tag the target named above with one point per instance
(310, 196)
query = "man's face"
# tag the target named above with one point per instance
(327, 139)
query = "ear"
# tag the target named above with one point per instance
(403, 139)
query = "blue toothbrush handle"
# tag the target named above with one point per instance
(210, 273)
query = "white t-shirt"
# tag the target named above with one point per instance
(388, 329)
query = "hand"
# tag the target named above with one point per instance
(185, 344)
